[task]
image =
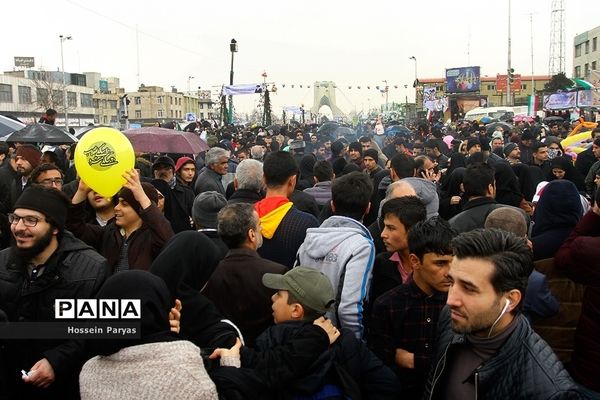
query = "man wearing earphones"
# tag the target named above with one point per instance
(485, 346)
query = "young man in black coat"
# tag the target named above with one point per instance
(44, 263)
(485, 346)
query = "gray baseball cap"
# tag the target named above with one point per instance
(311, 287)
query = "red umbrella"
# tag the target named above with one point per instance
(153, 139)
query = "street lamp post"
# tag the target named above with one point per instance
(386, 95)
(416, 82)
(233, 47)
(62, 61)
(189, 79)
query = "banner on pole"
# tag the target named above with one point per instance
(252, 88)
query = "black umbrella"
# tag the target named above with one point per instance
(9, 125)
(553, 119)
(82, 131)
(41, 133)
(490, 128)
(328, 128)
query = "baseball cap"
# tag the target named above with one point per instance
(311, 287)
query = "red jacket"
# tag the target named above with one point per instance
(579, 258)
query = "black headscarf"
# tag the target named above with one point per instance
(507, 185)
(155, 306)
(571, 173)
(185, 264)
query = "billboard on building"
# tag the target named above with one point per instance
(501, 83)
(26, 62)
(103, 85)
(462, 80)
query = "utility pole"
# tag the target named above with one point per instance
(508, 70)
(64, 82)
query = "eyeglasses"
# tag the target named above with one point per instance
(50, 182)
(28, 220)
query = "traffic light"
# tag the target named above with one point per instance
(511, 75)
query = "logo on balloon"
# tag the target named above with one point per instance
(101, 156)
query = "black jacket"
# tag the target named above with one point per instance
(245, 196)
(292, 359)
(75, 270)
(525, 367)
(475, 212)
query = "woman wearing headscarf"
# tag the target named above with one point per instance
(305, 179)
(556, 214)
(158, 365)
(507, 185)
(562, 168)
(185, 270)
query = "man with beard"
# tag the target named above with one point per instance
(485, 346)
(44, 263)
(28, 158)
(179, 198)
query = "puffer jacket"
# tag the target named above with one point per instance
(75, 270)
(525, 367)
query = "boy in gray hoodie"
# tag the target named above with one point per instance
(342, 248)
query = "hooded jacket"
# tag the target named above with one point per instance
(342, 249)
(427, 193)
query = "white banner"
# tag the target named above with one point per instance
(252, 88)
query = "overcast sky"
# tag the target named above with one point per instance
(350, 42)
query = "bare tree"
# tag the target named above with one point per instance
(49, 90)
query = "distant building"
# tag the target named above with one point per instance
(28, 94)
(488, 90)
(586, 53)
(151, 104)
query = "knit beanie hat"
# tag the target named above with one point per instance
(372, 153)
(49, 201)
(206, 207)
(128, 196)
(31, 154)
(163, 160)
(182, 161)
(508, 148)
(472, 142)
(337, 147)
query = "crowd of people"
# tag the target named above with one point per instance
(451, 262)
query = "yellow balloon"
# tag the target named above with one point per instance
(101, 157)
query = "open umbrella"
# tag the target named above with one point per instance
(82, 131)
(41, 133)
(548, 120)
(153, 139)
(344, 131)
(395, 130)
(327, 128)
(9, 125)
(490, 128)
(526, 118)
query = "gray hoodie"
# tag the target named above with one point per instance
(342, 249)
(427, 193)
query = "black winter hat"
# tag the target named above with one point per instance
(49, 201)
